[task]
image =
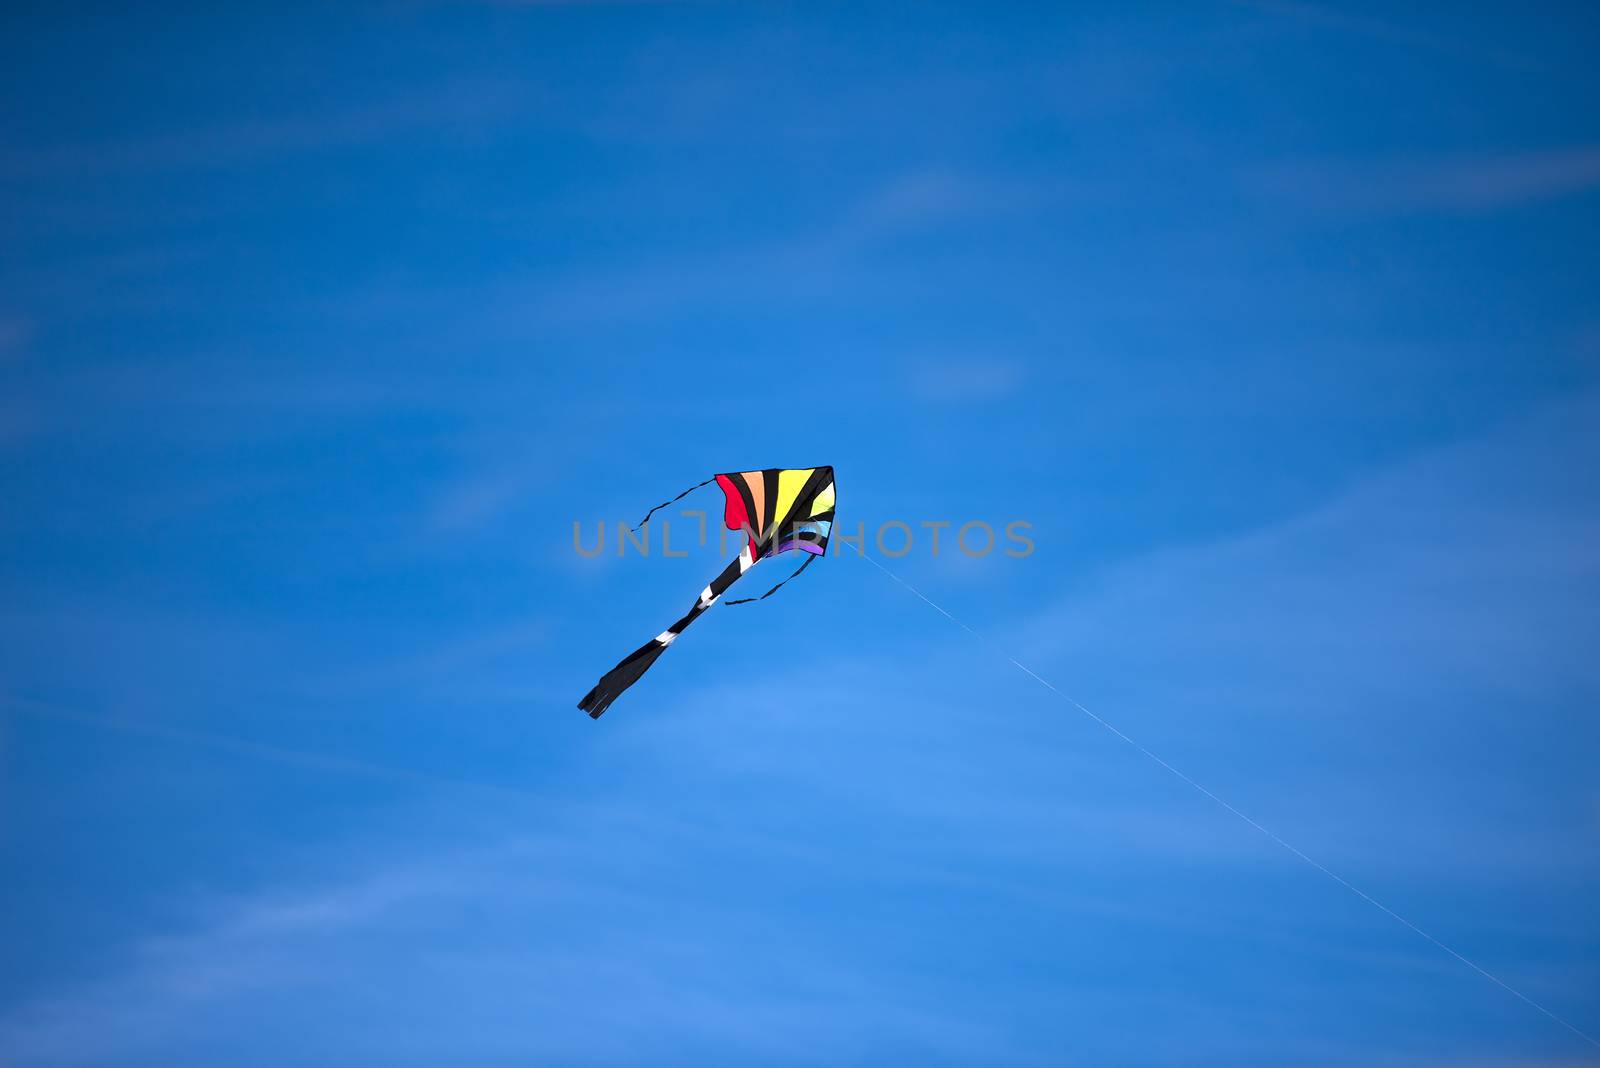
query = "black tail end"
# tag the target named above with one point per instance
(619, 678)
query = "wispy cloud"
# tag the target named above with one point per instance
(1477, 183)
(566, 3)
(1435, 605)
(625, 984)
(924, 197)
(165, 985)
(306, 759)
(443, 666)
(472, 502)
(955, 381)
(15, 333)
(793, 264)
(250, 141)
(1395, 31)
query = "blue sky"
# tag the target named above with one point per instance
(318, 332)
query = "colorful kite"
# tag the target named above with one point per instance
(779, 511)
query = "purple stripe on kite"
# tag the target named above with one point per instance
(809, 546)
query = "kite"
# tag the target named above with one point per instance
(779, 510)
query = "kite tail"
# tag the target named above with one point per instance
(625, 674)
(619, 678)
(674, 500)
(779, 586)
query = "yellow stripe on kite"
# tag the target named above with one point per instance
(824, 501)
(790, 483)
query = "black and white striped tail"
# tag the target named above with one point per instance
(625, 674)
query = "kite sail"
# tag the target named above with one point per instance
(778, 510)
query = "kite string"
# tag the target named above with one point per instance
(1362, 894)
